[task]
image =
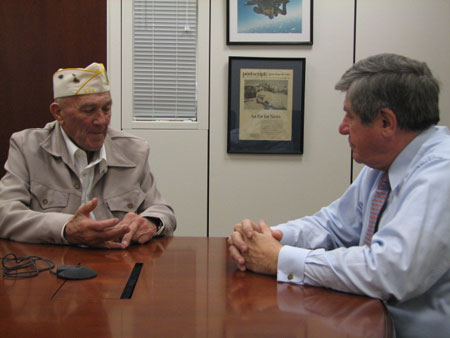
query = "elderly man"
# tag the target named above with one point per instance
(77, 181)
(388, 236)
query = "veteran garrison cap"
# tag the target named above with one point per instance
(80, 81)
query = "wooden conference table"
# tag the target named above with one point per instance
(187, 287)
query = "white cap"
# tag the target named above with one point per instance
(80, 81)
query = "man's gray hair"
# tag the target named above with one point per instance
(404, 85)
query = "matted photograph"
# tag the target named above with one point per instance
(269, 22)
(265, 105)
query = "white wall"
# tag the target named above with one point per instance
(281, 187)
(208, 186)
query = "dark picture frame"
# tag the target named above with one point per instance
(261, 22)
(266, 105)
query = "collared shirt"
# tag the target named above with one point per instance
(85, 170)
(408, 263)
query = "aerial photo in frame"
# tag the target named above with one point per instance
(269, 22)
(269, 16)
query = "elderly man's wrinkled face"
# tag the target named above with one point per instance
(85, 118)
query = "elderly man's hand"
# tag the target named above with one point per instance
(81, 229)
(247, 235)
(141, 229)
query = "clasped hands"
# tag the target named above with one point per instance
(255, 247)
(111, 233)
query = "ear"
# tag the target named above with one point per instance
(388, 121)
(56, 111)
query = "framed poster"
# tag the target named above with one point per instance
(266, 105)
(269, 22)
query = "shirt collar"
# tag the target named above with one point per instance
(401, 164)
(99, 156)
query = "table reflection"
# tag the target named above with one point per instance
(254, 300)
(187, 287)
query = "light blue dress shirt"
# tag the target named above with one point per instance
(408, 263)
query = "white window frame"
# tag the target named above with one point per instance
(120, 68)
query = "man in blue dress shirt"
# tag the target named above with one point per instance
(391, 112)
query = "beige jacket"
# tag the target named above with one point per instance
(40, 190)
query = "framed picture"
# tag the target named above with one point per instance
(269, 22)
(266, 105)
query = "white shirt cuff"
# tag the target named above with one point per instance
(291, 264)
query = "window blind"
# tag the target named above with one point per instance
(164, 60)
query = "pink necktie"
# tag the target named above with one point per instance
(377, 205)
